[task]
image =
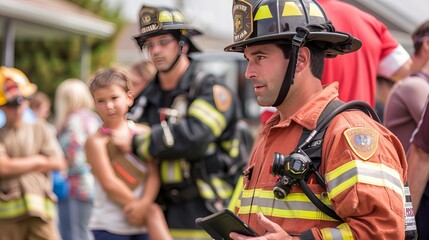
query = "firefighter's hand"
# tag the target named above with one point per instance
(123, 141)
(273, 231)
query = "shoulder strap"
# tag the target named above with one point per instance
(196, 84)
(314, 148)
(311, 144)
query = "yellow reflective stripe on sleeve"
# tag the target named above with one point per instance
(315, 11)
(30, 202)
(291, 9)
(295, 205)
(209, 115)
(143, 142)
(232, 147)
(359, 171)
(189, 234)
(171, 171)
(224, 190)
(263, 13)
(342, 232)
(205, 190)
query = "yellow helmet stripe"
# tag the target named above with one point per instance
(165, 16)
(263, 13)
(359, 171)
(315, 11)
(178, 17)
(291, 9)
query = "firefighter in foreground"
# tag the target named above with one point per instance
(363, 167)
(192, 119)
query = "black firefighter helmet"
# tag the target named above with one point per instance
(278, 21)
(292, 22)
(155, 21)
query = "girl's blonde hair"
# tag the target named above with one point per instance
(109, 76)
(71, 95)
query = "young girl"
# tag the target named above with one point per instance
(123, 210)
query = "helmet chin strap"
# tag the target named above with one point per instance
(181, 45)
(297, 42)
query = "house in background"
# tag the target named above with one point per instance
(21, 19)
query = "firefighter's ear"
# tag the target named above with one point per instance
(303, 59)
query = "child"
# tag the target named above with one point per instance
(120, 212)
(27, 153)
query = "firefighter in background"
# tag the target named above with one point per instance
(363, 164)
(192, 119)
(28, 152)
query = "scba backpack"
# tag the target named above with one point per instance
(309, 152)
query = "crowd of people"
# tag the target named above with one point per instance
(141, 153)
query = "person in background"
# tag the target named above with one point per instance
(142, 72)
(40, 104)
(384, 85)
(28, 152)
(125, 188)
(193, 120)
(406, 100)
(75, 120)
(418, 172)
(380, 54)
(360, 157)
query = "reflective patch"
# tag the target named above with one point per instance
(222, 98)
(363, 141)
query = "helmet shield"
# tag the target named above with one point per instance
(161, 20)
(277, 20)
(14, 86)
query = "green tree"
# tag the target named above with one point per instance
(48, 61)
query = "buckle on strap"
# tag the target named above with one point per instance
(300, 37)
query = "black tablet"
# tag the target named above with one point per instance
(220, 224)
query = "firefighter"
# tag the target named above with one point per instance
(363, 169)
(192, 118)
(28, 152)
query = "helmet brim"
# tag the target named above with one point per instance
(331, 43)
(190, 32)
